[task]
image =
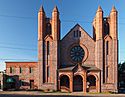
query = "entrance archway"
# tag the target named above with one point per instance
(91, 83)
(64, 82)
(77, 83)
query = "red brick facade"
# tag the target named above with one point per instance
(77, 62)
(100, 54)
(23, 73)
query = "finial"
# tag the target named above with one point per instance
(113, 9)
(99, 8)
(55, 9)
(41, 9)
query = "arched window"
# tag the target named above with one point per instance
(106, 26)
(48, 28)
(77, 33)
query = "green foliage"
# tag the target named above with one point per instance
(121, 68)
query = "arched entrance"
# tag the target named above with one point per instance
(77, 83)
(91, 83)
(64, 82)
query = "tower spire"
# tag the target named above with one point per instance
(99, 9)
(55, 9)
(113, 9)
(41, 9)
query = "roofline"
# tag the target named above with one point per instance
(81, 28)
(94, 70)
(65, 70)
(21, 62)
(69, 31)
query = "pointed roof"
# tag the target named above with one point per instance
(73, 29)
(41, 9)
(55, 9)
(99, 9)
(113, 9)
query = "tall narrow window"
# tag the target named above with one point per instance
(30, 70)
(47, 71)
(11, 70)
(79, 33)
(106, 71)
(106, 26)
(20, 69)
(74, 34)
(107, 48)
(48, 47)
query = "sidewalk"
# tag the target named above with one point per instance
(58, 93)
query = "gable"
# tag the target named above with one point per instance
(76, 28)
(48, 38)
(107, 38)
(78, 68)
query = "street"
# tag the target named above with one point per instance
(18, 95)
(54, 94)
(10, 95)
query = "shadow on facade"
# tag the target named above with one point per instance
(14, 83)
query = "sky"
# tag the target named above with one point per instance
(19, 27)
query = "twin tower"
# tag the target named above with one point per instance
(105, 37)
(48, 48)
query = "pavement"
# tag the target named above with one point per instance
(54, 94)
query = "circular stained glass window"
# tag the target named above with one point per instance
(77, 53)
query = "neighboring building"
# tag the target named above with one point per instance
(1, 80)
(77, 62)
(21, 75)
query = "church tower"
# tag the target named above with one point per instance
(48, 49)
(105, 34)
(113, 47)
(98, 37)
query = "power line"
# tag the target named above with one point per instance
(18, 48)
(19, 44)
(22, 17)
(49, 60)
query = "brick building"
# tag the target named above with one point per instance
(21, 75)
(77, 62)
